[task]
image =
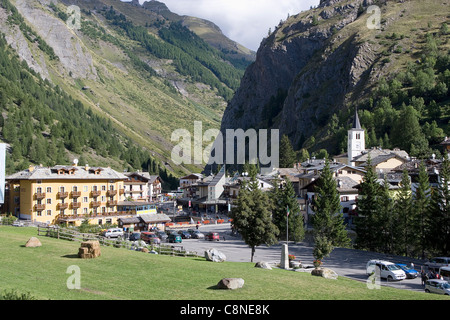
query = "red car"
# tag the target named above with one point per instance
(150, 237)
(211, 236)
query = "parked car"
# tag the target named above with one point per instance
(211, 236)
(174, 238)
(410, 273)
(184, 234)
(385, 269)
(197, 235)
(113, 233)
(18, 223)
(150, 237)
(438, 262)
(437, 286)
(135, 236)
(162, 235)
(444, 273)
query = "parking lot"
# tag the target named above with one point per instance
(346, 262)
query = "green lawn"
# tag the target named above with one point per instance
(128, 275)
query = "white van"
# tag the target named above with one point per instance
(444, 273)
(385, 269)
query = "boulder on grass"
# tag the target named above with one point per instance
(231, 283)
(215, 255)
(325, 273)
(33, 242)
(89, 249)
(263, 265)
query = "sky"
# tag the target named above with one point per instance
(244, 21)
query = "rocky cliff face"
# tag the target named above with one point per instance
(319, 60)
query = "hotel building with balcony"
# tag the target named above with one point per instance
(70, 194)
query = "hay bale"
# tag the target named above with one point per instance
(89, 249)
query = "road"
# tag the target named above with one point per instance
(348, 263)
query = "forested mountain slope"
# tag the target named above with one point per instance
(126, 79)
(317, 67)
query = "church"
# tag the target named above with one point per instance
(381, 160)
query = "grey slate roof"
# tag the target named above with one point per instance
(77, 173)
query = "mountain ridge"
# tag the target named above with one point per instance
(116, 76)
(316, 67)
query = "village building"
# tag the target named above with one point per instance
(65, 193)
(141, 186)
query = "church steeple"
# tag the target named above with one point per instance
(356, 140)
(356, 123)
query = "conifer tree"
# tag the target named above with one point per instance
(328, 222)
(438, 223)
(384, 221)
(287, 153)
(368, 206)
(421, 204)
(252, 217)
(285, 206)
(403, 214)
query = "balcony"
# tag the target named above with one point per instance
(111, 203)
(62, 206)
(76, 205)
(40, 195)
(96, 204)
(111, 193)
(95, 193)
(121, 191)
(39, 207)
(62, 195)
(76, 194)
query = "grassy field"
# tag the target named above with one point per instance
(129, 275)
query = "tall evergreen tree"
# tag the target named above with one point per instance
(421, 204)
(403, 212)
(438, 225)
(287, 153)
(285, 207)
(384, 219)
(368, 207)
(328, 221)
(252, 217)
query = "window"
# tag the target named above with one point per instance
(103, 188)
(85, 199)
(85, 210)
(358, 136)
(49, 212)
(85, 188)
(75, 188)
(49, 201)
(344, 199)
(49, 189)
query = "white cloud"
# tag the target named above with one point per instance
(244, 21)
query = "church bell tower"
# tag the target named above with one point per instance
(356, 140)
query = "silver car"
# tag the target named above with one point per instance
(437, 286)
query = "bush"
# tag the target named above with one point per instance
(14, 295)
